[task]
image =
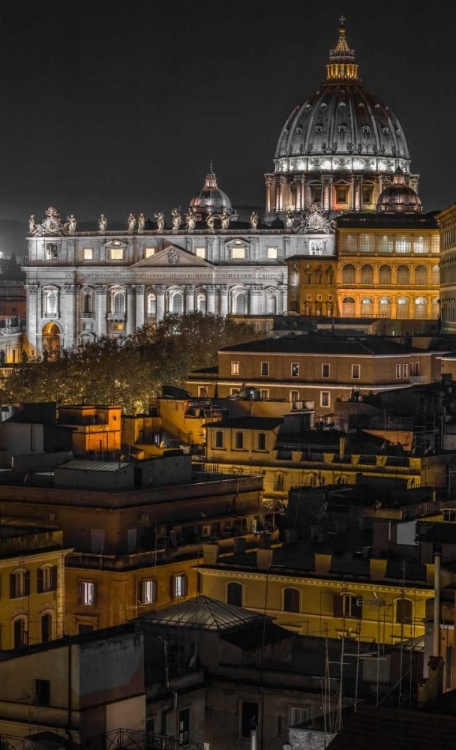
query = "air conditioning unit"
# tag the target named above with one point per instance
(206, 531)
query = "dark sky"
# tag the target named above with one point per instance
(118, 107)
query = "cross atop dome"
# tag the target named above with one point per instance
(342, 65)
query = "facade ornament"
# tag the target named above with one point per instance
(71, 225)
(294, 276)
(32, 225)
(160, 219)
(225, 219)
(176, 218)
(289, 221)
(141, 222)
(191, 219)
(102, 224)
(131, 223)
(52, 224)
(317, 221)
(210, 221)
(254, 220)
(173, 256)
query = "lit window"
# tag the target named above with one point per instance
(19, 583)
(352, 606)
(46, 579)
(238, 253)
(264, 369)
(116, 253)
(200, 252)
(149, 252)
(86, 593)
(294, 369)
(272, 253)
(356, 372)
(325, 398)
(179, 585)
(151, 304)
(118, 326)
(235, 368)
(148, 592)
(325, 371)
(52, 251)
(88, 253)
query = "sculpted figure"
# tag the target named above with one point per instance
(131, 223)
(160, 219)
(177, 218)
(225, 218)
(289, 221)
(71, 224)
(254, 220)
(32, 225)
(102, 223)
(210, 221)
(141, 222)
(191, 220)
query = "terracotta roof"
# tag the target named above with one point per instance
(326, 344)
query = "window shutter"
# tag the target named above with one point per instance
(12, 586)
(172, 586)
(139, 592)
(338, 603)
(27, 583)
(94, 594)
(54, 575)
(39, 580)
(184, 585)
(358, 608)
(81, 592)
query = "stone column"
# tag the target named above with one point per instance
(352, 193)
(101, 299)
(210, 306)
(189, 298)
(269, 181)
(140, 312)
(325, 188)
(302, 193)
(358, 193)
(32, 315)
(283, 290)
(255, 294)
(161, 289)
(130, 290)
(67, 315)
(223, 300)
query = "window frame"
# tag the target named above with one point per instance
(148, 591)
(87, 253)
(234, 367)
(356, 372)
(264, 369)
(323, 371)
(325, 395)
(294, 369)
(179, 585)
(84, 587)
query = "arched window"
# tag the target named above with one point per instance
(385, 275)
(239, 440)
(50, 302)
(420, 308)
(177, 303)
(421, 275)
(291, 600)
(341, 479)
(403, 275)
(435, 275)
(118, 303)
(403, 308)
(219, 439)
(19, 583)
(279, 482)
(201, 303)
(46, 627)
(310, 480)
(240, 304)
(348, 274)
(384, 307)
(435, 308)
(348, 307)
(404, 611)
(367, 275)
(367, 307)
(152, 304)
(20, 631)
(87, 303)
(234, 594)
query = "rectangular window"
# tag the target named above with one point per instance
(132, 540)
(234, 391)
(249, 718)
(294, 396)
(46, 579)
(118, 326)
(19, 584)
(264, 369)
(148, 592)
(385, 244)
(367, 243)
(342, 194)
(202, 391)
(272, 253)
(415, 369)
(294, 369)
(398, 371)
(200, 252)
(356, 372)
(86, 593)
(261, 441)
(52, 251)
(184, 726)
(405, 371)
(325, 371)
(179, 587)
(116, 253)
(298, 715)
(238, 253)
(367, 194)
(403, 243)
(325, 398)
(149, 252)
(264, 394)
(97, 537)
(235, 368)
(42, 692)
(88, 253)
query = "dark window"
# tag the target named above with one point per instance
(342, 195)
(249, 717)
(404, 609)
(261, 441)
(83, 628)
(265, 368)
(347, 605)
(43, 692)
(325, 370)
(291, 600)
(184, 726)
(294, 369)
(219, 439)
(46, 628)
(234, 594)
(46, 579)
(19, 633)
(239, 440)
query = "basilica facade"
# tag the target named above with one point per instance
(342, 219)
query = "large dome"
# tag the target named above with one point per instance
(211, 200)
(341, 147)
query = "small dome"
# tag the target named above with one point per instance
(399, 197)
(211, 200)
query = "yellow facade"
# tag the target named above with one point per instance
(96, 429)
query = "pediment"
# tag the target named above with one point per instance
(173, 257)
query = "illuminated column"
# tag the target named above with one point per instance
(269, 182)
(276, 194)
(223, 300)
(211, 300)
(283, 290)
(352, 193)
(281, 192)
(140, 290)
(67, 314)
(358, 193)
(161, 288)
(130, 310)
(302, 192)
(255, 297)
(100, 309)
(189, 298)
(32, 314)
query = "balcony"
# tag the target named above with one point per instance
(134, 739)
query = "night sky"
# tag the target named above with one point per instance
(118, 107)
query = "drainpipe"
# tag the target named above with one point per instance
(436, 630)
(70, 669)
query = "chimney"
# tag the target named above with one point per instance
(342, 446)
(323, 564)
(211, 554)
(377, 568)
(264, 559)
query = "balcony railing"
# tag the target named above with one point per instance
(133, 739)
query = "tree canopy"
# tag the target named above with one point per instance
(127, 371)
